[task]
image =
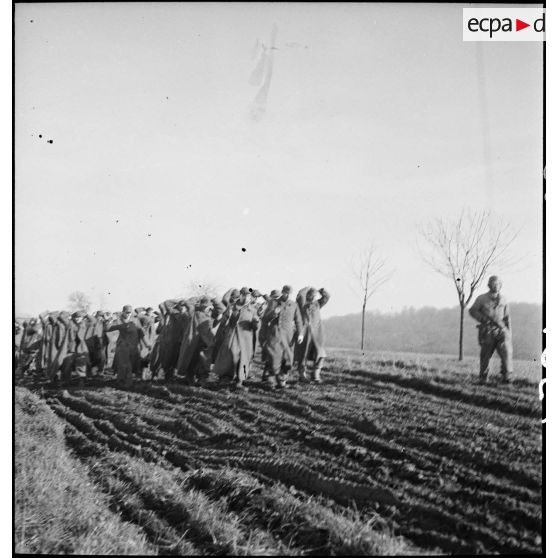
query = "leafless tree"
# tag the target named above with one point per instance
(464, 250)
(370, 273)
(79, 301)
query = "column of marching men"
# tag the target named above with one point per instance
(194, 340)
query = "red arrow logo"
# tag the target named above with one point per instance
(519, 25)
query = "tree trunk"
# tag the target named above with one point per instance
(362, 328)
(461, 316)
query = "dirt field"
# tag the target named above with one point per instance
(386, 458)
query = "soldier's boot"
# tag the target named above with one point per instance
(270, 381)
(316, 372)
(239, 384)
(302, 375)
(281, 381)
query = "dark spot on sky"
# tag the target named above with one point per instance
(148, 234)
(458, 279)
(167, 98)
(50, 141)
(117, 221)
(40, 135)
(244, 249)
(30, 21)
(108, 292)
(250, 289)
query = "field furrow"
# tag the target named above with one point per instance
(385, 460)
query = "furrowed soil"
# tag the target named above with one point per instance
(383, 459)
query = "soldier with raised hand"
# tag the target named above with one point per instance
(197, 346)
(73, 352)
(236, 349)
(263, 333)
(175, 321)
(127, 362)
(491, 310)
(311, 341)
(283, 324)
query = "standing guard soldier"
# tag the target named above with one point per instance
(492, 312)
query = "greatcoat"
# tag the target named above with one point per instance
(239, 322)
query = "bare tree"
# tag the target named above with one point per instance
(464, 250)
(79, 301)
(370, 274)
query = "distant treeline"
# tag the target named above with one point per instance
(432, 330)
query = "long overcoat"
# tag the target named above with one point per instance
(198, 337)
(172, 332)
(236, 350)
(48, 346)
(313, 344)
(97, 342)
(281, 325)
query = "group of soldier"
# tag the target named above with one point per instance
(185, 339)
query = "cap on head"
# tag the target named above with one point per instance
(256, 293)
(274, 294)
(493, 278)
(244, 291)
(287, 289)
(127, 309)
(78, 314)
(235, 294)
(204, 301)
(32, 321)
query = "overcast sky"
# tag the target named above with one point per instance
(171, 151)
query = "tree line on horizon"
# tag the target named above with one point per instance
(432, 331)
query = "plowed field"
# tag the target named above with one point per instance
(342, 467)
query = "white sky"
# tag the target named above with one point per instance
(378, 125)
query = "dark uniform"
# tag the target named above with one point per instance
(491, 310)
(127, 361)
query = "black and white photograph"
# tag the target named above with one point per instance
(278, 278)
